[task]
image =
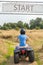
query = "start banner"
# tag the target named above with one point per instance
(21, 7)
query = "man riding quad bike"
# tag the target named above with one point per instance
(23, 49)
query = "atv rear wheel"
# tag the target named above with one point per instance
(16, 58)
(31, 56)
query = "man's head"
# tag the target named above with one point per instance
(22, 31)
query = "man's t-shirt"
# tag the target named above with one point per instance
(22, 39)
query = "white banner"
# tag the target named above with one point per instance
(21, 7)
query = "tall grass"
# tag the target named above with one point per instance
(7, 47)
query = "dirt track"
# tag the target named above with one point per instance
(11, 62)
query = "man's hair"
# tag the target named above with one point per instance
(22, 31)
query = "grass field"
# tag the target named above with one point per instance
(8, 43)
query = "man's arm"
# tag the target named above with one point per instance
(17, 39)
(28, 39)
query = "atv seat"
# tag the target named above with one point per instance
(23, 46)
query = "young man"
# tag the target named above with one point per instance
(22, 38)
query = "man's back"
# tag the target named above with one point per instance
(22, 39)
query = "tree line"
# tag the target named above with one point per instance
(34, 24)
(16, 26)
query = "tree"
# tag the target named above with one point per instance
(0, 26)
(41, 24)
(5, 28)
(26, 25)
(12, 25)
(35, 23)
(32, 24)
(20, 24)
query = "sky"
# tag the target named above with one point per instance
(22, 0)
(5, 18)
(15, 18)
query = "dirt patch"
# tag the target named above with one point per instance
(11, 62)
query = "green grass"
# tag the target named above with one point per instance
(3, 63)
(10, 49)
(37, 59)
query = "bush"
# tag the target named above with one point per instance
(37, 28)
(17, 28)
(5, 28)
(7, 36)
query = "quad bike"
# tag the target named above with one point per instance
(23, 51)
